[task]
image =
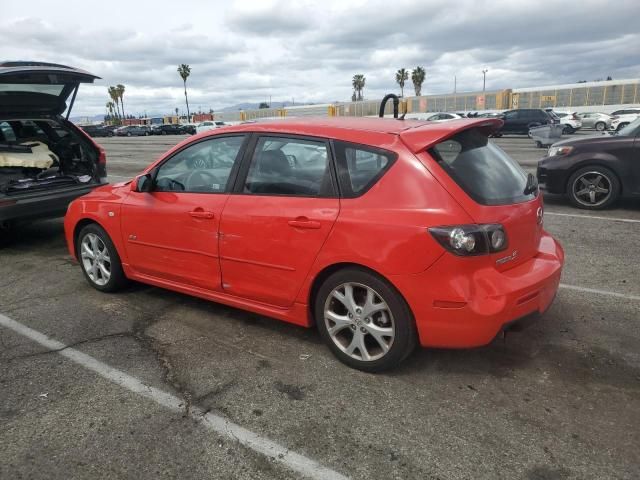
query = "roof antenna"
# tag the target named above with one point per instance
(383, 104)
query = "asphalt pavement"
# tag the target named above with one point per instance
(151, 384)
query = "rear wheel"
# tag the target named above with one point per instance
(600, 126)
(593, 188)
(99, 259)
(568, 130)
(364, 320)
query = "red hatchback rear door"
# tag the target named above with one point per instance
(492, 188)
(276, 222)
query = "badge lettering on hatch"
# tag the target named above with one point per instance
(508, 258)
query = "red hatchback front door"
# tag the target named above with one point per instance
(273, 229)
(171, 233)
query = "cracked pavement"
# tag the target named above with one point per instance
(560, 400)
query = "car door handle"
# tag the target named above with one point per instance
(201, 214)
(304, 222)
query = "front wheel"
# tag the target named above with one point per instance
(364, 320)
(621, 126)
(99, 259)
(593, 188)
(600, 126)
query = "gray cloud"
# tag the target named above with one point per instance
(248, 51)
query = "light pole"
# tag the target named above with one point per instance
(484, 78)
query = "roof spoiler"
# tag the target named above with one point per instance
(420, 138)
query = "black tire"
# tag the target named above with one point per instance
(600, 126)
(609, 178)
(621, 126)
(568, 130)
(117, 279)
(404, 340)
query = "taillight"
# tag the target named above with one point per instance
(102, 156)
(471, 240)
(575, 117)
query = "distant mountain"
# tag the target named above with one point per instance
(254, 106)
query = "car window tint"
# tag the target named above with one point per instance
(6, 133)
(510, 115)
(287, 166)
(482, 169)
(364, 165)
(202, 167)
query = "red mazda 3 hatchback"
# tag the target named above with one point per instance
(382, 233)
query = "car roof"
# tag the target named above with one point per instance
(416, 134)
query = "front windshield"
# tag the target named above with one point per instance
(632, 129)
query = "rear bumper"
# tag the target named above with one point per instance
(459, 310)
(43, 204)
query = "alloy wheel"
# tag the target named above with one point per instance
(95, 259)
(592, 189)
(359, 321)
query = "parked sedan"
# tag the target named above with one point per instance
(131, 131)
(599, 121)
(168, 129)
(594, 172)
(429, 233)
(98, 130)
(209, 125)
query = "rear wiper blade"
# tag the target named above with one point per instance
(532, 184)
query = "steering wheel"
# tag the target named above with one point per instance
(208, 182)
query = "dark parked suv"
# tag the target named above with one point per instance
(521, 120)
(45, 160)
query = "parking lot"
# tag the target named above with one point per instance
(252, 398)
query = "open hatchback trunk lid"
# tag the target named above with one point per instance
(485, 181)
(35, 88)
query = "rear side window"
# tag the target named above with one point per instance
(485, 172)
(290, 166)
(360, 166)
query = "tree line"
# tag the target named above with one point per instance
(418, 76)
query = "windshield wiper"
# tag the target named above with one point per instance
(532, 184)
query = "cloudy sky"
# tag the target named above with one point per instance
(248, 51)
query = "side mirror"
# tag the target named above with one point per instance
(142, 183)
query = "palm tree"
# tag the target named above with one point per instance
(113, 93)
(417, 77)
(402, 76)
(120, 92)
(110, 106)
(358, 83)
(184, 70)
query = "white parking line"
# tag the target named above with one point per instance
(600, 292)
(595, 217)
(294, 461)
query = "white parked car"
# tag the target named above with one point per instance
(209, 125)
(570, 120)
(433, 117)
(597, 120)
(622, 118)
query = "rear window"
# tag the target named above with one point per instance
(31, 88)
(360, 166)
(485, 172)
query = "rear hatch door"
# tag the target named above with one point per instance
(35, 88)
(489, 185)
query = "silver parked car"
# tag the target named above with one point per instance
(599, 121)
